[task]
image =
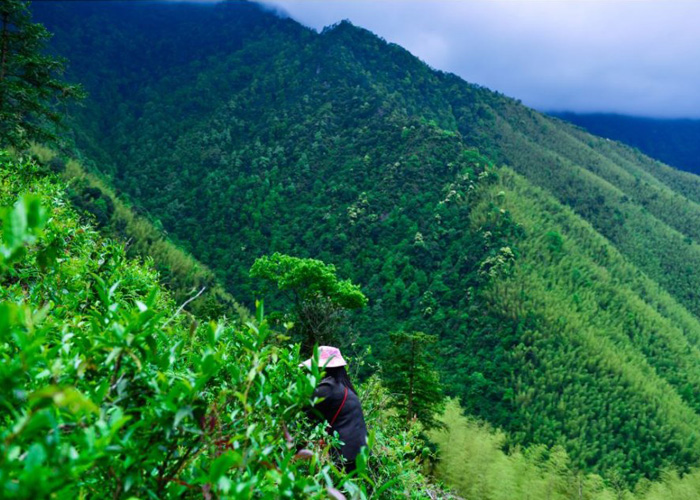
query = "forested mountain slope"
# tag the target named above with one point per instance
(563, 287)
(673, 141)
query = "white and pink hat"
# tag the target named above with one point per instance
(328, 357)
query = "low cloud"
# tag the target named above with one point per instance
(627, 56)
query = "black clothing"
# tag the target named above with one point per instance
(350, 423)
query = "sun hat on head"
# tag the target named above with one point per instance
(328, 357)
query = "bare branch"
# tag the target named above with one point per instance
(179, 309)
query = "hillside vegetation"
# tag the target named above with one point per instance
(473, 461)
(562, 286)
(187, 279)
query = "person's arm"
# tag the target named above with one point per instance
(322, 391)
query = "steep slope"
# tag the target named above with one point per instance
(563, 288)
(601, 348)
(625, 199)
(673, 141)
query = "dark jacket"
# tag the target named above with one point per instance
(350, 423)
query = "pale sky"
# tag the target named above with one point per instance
(639, 57)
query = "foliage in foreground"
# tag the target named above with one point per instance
(106, 390)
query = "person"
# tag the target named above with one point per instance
(339, 404)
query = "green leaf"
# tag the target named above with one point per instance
(386, 486)
(36, 213)
(9, 317)
(15, 225)
(185, 411)
(67, 398)
(36, 456)
(223, 463)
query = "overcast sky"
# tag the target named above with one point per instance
(639, 57)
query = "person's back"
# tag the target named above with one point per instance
(341, 408)
(339, 405)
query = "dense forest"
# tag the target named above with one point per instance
(674, 142)
(555, 272)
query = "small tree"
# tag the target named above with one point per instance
(411, 379)
(319, 298)
(30, 89)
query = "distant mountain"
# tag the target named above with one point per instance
(560, 270)
(675, 142)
